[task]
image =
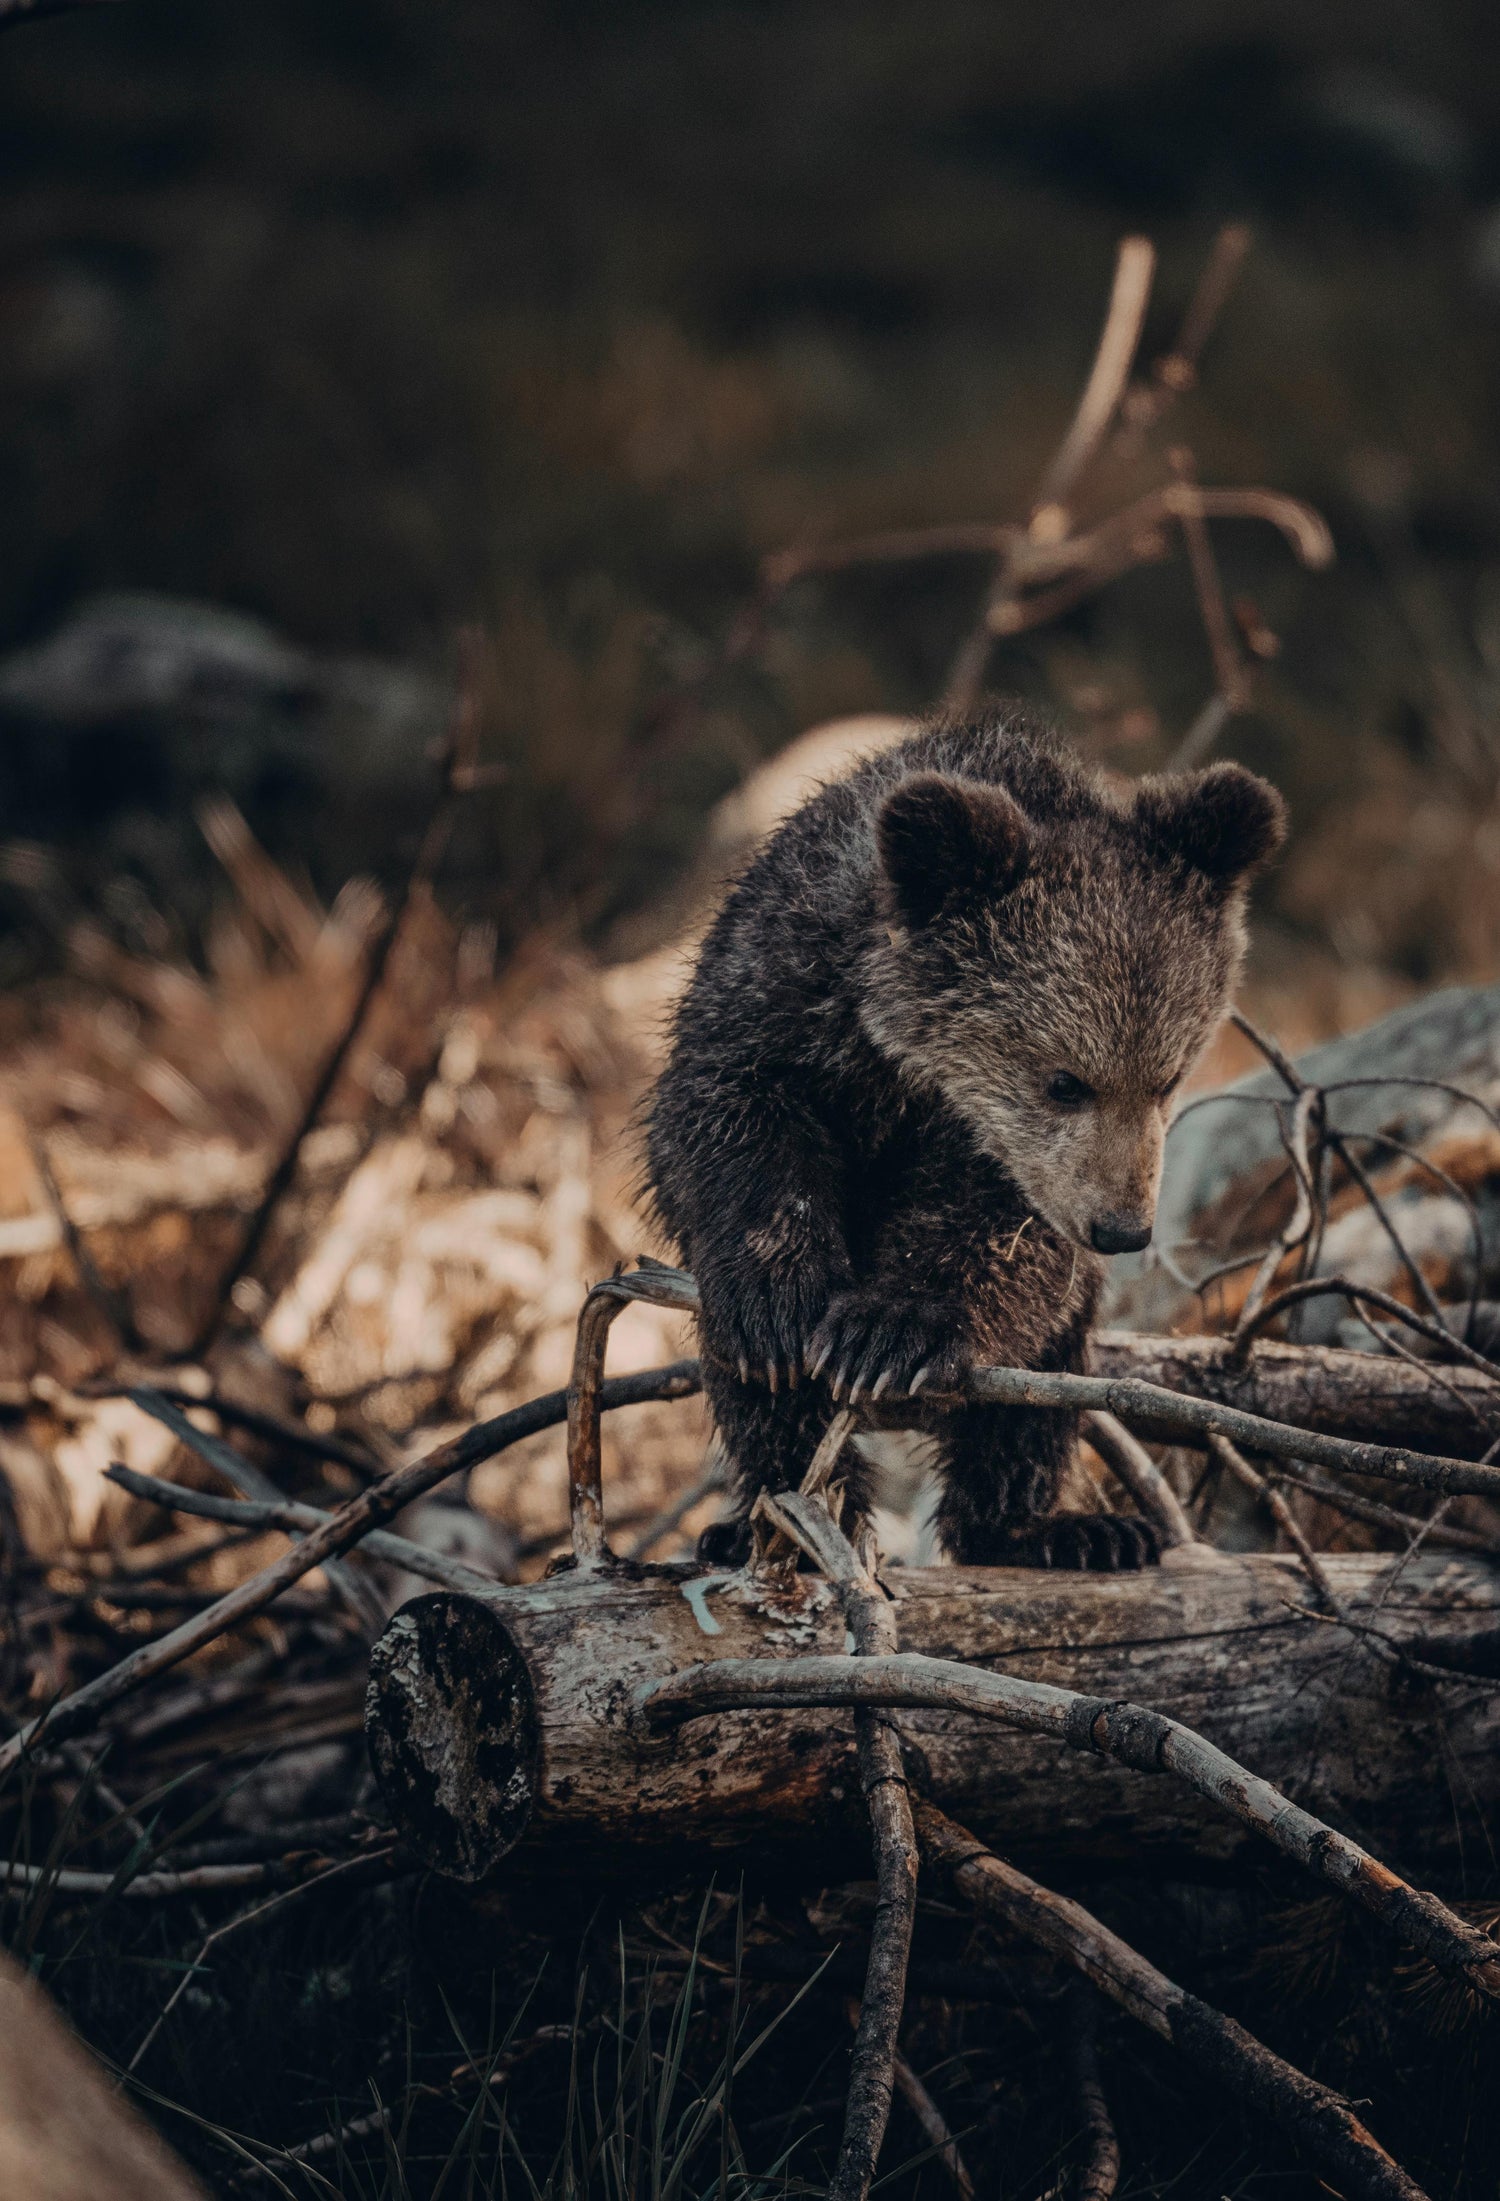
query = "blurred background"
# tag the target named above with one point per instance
(329, 329)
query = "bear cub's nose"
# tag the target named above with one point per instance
(1118, 1234)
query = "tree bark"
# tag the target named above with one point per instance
(1362, 1396)
(515, 1716)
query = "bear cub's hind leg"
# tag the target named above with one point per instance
(1001, 1479)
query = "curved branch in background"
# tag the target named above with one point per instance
(1302, 524)
(1128, 1460)
(1298, 1230)
(1135, 270)
(1359, 1295)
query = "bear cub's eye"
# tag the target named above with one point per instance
(1066, 1091)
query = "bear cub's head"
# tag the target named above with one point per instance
(1054, 970)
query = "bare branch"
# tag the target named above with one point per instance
(1312, 2115)
(1100, 2171)
(1135, 270)
(931, 2119)
(1148, 1741)
(293, 1519)
(1157, 1409)
(871, 1622)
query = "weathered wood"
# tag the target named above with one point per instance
(516, 1714)
(1363, 1396)
(1194, 1420)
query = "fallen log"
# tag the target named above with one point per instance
(515, 1716)
(1366, 1397)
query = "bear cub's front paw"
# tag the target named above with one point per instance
(757, 1318)
(869, 1345)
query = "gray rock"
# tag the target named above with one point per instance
(1452, 1036)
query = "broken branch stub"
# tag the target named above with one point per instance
(454, 1731)
(659, 1286)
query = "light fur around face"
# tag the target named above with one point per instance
(1058, 1017)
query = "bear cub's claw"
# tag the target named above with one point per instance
(757, 1318)
(868, 1345)
(1091, 1543)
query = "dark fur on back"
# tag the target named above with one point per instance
(858, 1143)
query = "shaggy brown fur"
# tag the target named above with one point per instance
(921, 1079)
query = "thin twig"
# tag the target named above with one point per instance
(1208, 588)
(1197, 743)
(372, 1864)
(1177, 369)
(1135, 265)
(293, 1519)
(1361, 1176)
(1250, 1478)
(1375, 1515)
(252, 1482)
(1099, 2172)
(1324, 1387)
(254, 1420)
(1292, 1078)
(113, 1305)
(152, 1886)
(843, 1970)
(1299, 1224)
(1450, 1184)
(934, 2124)
(1345, 1287)
(1136, 1401)
(1312, 2115)
(1135, 270)
(666, 1523)
(458, 774)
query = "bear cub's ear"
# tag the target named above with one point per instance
(942, 840)
(1225, 822)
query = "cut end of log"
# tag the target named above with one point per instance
(454, 1734)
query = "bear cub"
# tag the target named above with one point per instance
(919, 1084)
